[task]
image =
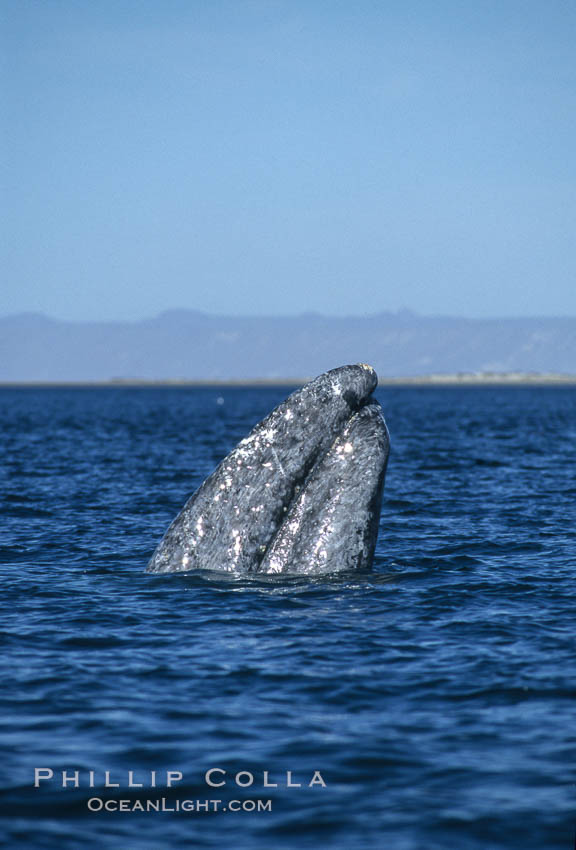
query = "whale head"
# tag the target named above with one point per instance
(301, 493)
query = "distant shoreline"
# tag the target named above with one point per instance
(436, 380)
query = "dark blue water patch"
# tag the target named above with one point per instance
(435, 695)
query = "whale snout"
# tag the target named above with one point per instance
(300, 494)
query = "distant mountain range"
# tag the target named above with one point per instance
(185, 344)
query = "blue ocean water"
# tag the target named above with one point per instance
(435, 696)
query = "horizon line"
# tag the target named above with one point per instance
(440, 379)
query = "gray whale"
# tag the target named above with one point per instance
(300, 494)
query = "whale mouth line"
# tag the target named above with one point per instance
(300, 494)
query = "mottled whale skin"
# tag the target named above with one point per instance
(300, 494)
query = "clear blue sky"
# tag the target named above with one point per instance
(281, 156)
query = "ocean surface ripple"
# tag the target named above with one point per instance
(435, 695)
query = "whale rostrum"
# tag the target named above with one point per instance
(300, 494)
